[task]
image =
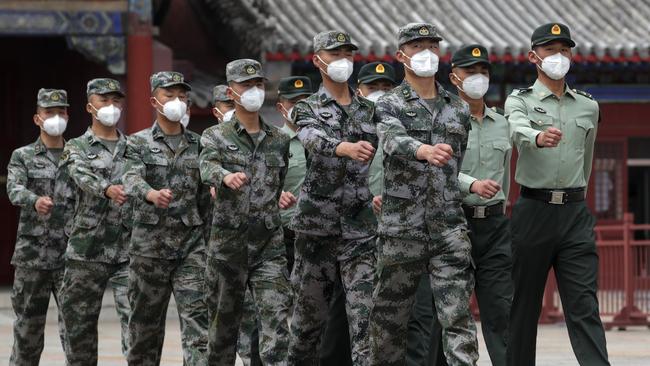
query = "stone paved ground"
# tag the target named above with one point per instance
(626, 348)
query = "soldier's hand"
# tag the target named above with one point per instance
(287, 200)
(376, 204)
(213, 193)
(438, 155)
(549, 138)
(486, 188)
(161, 198)
(43, 205)
(235, 180)
(360, 151)
(116, 194)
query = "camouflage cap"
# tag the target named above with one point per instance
(294, 86)
(52, 98)
(551, 32)
(219, 94)
(166, 79)
(243, 69)
(469, 55)
(413, 31)
(332, 39)
(103, 86)
(376, 71)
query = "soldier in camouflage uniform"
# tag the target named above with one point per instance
(246, 160)
(32, 179)
(334, 225)
(422, 229)
(223, 107)
(167, 249)
(96, 255)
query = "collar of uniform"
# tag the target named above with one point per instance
(93, 139)
(39, 146)
(325, 97)
(489, 113)
(542, 92)
(158, 133)
(409, 93)
(240, 129)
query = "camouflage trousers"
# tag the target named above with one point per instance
(30, 299)
(152, 282)
(271, 295)
(84, 284)
(451, 275)
(320, 263)
(248, 342)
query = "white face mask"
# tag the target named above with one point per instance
(252, 99)
(555, 66)
(108, 115)
(475, 86)
(340, 70)
(173, 110)
(185, 120)
(375, 95)
(424, 63)
(54, 126)
(287, 113)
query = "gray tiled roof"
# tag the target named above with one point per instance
(597, 26)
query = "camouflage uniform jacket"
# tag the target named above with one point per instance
(41, 240)
(153, 164)
(334, 198)
(254, 207)
(100, 227)
(420, 200)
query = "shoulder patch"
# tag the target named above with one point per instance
(65, 155)
(583, 93)
(524, 90)
(498, 110)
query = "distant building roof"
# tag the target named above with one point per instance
(616, 30)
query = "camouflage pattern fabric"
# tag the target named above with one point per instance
(248, 332)
(422, 227)
(413, 31)
(167, 79)
(32, 173)
(175, 260)
(84, 284)
(30, 298)
(103, 86)
(246, 247)
(47, 98)
(332, 39)
(243, 69)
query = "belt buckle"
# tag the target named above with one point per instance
(479, 212)
(557, 197)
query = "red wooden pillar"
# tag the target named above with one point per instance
(139, 66)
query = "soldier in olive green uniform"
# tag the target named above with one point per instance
(96, 255)
(334, 224)
(33, 178)
(422, 229)
(485, 180)
(167, 248)
(223, 107)
(554, 128)
(423, 345)
(246, 160)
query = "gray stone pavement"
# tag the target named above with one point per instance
(626, 348)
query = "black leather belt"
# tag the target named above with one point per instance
(482, 212)
(554, 196)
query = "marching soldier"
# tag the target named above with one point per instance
(484, 180)
(167, 249)
(334, 223)
(246, 160)
(554, 128)
(422, 229)
(96, 255)
(32, 179)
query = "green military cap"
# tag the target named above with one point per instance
(166, 79)
(376, 71)
(551, 32)
(103, 86)
(52, 98)
(243, 69)
(332, 39)
(294, 86)
(219, 94)
(469, 55)
(413, 31)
